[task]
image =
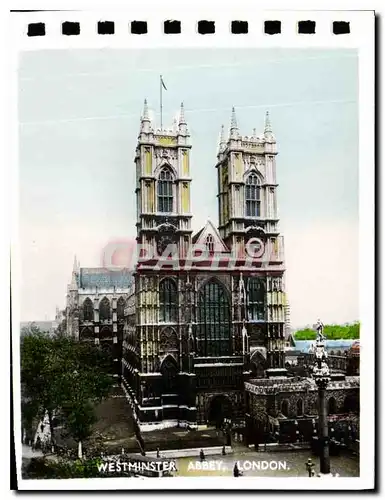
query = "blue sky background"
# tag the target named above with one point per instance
(79, 116)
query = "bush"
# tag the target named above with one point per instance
(41, 468)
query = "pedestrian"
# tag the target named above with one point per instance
(236, 471)
(202, 455)
(310, 467)
(157, 453)
(224, 450)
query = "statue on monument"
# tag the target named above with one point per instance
(320, 328)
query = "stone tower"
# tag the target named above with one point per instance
(248, 224)
(159, 333)
(163, 186)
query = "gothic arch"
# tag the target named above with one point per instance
(169, 371)
(219, 407)
(88, 310)
(254, 170)
(104, 309)
(165, 192)
(87, 333)
(300, 407)
(215, 279)
(285, 407)
(168, 340)
(120, 305)
(257, 364)
(332, 406)
(105, 332)
(253, 195)
(165, 166)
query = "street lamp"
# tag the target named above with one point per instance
(321, 375)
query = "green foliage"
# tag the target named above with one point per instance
(41, 468)
(62, 376)
(332, 332)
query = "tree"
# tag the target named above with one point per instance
(61, 375)
(332, 332)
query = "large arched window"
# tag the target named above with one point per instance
(213, 329)
(120, 308)
(256, 299)
(88, 310)
(104, 309)
(165, 191)
(168, 301)
(253, 196)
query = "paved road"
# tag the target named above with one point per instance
(27, 452)
(281, 463)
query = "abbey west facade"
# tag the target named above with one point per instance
(206, 311)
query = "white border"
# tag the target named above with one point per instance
(361, 37)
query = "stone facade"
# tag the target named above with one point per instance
(277, 409)
(207, 311)
(95, 306)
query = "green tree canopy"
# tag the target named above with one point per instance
(332, 332)
(61, 375)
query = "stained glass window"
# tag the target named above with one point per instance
(213, 329)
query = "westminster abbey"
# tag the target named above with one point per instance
(205, 312)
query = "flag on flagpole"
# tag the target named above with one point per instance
(162, 82)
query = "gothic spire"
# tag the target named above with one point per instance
(267, 124)
(182, 119)
(222, 140)
(233, 124)
(145, 116)
(75, 268)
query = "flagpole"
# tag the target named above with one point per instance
(161, 104)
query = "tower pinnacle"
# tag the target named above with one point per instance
(182, 119)
(233, 124)
(145, 116)
(268, 128)
(222, 140)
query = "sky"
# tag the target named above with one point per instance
(79, 113)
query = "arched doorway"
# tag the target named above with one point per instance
(257, 365)
(169, 371)
(220, 407)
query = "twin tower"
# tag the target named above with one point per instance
(194, 335)
(246, 189)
